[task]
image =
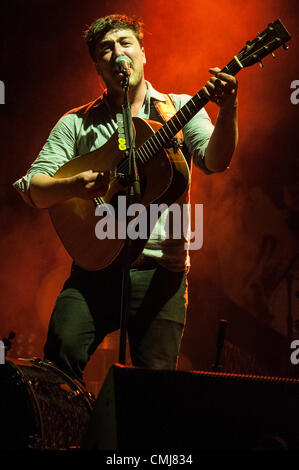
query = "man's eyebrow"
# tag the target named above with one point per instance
(107, 42)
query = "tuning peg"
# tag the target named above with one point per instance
(261, 64)
(273, 55)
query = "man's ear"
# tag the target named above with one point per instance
(143, 55)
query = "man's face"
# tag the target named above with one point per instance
(116, 43)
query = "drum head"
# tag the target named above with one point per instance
(19, 419)
(41, 407)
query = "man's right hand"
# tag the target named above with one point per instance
(47, 191)
(89, 184)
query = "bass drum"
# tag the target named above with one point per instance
(41, 407)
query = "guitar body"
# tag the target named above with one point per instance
(163, 179)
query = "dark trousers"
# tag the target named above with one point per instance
(88, 308)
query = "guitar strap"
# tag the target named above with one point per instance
(166, 110)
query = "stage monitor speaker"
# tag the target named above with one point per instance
(142, 409)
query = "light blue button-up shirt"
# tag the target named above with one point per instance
(84, 129)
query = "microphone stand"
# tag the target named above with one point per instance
(220, 342)
(133, 196)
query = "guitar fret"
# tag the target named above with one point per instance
(161, 139)
(139, 155)
(148, 144)
(147, 148)
(164, 130)
(171, 122)
(181, 111)
(142, 150)
(194, 104)
(190, 104)
(156, 136)
(149, 151)
(154, 142)
(187, 107)
(197, 99)
(177, 117)
(234, 66)
(170, 132)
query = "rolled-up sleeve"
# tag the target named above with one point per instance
(59, 148)
(197, 132)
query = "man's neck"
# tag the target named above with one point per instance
(136, 98)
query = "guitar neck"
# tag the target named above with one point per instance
(162, 137)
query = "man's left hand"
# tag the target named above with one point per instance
(221, 89)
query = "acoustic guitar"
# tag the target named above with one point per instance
(163, 171)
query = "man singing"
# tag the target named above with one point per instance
(88, 307)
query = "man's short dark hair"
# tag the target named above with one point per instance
(101, 26)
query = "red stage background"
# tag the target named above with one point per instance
(247, 270)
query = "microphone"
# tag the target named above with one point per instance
(124, 64)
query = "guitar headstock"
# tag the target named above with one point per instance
(273, 37)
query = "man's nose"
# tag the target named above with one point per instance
(118, 51)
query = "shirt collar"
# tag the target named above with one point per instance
(152, 93)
